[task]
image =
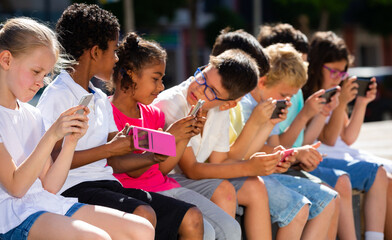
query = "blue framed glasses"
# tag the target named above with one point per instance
(208, 91)
(336, 74)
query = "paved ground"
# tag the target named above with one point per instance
(376, 137)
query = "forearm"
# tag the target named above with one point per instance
(131, 162)
(27, 173)
(290, 135)
(58, 172)
(259, 141)
(84, 157)
(247, 137)
(333, 128)
(217, 170)
(352, 129)
(314, 128)
(169, 164)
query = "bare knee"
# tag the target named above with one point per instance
(343, 187)
(381, 179)
(331, 207)
(302, 216)
(97, 234)
(192, 223)
(225, 192)
(146, 212)
(253, 190)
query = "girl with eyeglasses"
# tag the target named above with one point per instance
(329, 59)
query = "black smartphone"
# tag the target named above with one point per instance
(280, 105)
(329, 94)
(363, 85)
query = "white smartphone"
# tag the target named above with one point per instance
(84, 101)
(199, 104)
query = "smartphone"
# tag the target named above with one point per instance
(199, 104)
(280, 105)
(329, 94)
(363, 85)
(84, 101)
(286, 153)
(153, 140)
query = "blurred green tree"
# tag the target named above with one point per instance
(223, 17)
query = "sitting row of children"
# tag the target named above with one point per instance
(212, 176)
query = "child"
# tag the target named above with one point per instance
(29, 179)
(205, 164)
(292, 130)
(328, 62)
(287, 74)
(138, 80)
(89, 35)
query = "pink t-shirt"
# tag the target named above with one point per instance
(152, 180)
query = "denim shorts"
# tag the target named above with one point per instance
(362, 174)
(22, 231)
(288, 194)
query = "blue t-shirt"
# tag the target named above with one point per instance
(248, 103)
(297, 103)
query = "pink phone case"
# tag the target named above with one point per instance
(154, 141)
(286, 154)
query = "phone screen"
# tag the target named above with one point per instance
(329, 94)
(280, 105)
(363, 85)
(144, 139)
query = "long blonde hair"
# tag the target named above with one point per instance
(21, 35)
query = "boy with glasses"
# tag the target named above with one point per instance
(206, 165)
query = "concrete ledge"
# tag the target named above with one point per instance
(376, 138)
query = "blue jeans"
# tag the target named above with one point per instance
(362, 174)
(288, 194)
(22, 231)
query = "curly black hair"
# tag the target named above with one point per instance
(134, 53)
(82, 26)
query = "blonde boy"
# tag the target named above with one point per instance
(286, 76)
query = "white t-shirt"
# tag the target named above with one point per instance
(64, 93)
(343, 151)
(216, 129)
(20, 132)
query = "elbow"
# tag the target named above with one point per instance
(114, 164)
(51, 188)
(17, 193)
(348, 141)
(329, 142)
(192, 175)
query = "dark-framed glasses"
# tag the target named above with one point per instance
(208, 91)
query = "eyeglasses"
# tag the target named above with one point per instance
(208, 91)
(336, 73)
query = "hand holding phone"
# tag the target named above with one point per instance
(280, 105)
(153, 140)
(363, 85)
(84, 101)
(199, 104)
(286, 153)
(329, 94)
